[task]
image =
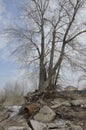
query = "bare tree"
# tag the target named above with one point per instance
(47, 36)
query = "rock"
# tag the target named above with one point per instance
(17, 128)
(37, 125)
(83, 105)
(77, 102)
(74, 127)
(45, 128)
(56, 106)
(1, 128)
(57, 124)
(4, 115)
(66, 103)
(18, 123)
(13, 108)
(57, 102)
(45, 114)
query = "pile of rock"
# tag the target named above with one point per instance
(46, 111)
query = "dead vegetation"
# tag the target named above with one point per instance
(11, 95)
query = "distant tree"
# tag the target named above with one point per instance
(47, 37)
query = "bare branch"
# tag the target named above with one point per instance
(69, 40)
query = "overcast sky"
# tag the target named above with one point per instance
(8, 12)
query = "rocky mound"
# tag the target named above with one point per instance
(49, 110)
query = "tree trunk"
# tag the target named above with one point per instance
(42, 76)
(42, 69)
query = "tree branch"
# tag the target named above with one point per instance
(69, 40)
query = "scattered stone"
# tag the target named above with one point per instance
(66, 103)
(75, 127)
(13, 108)
(17, 128)
(83, 105)
(13, 124)
(37, 125)
(46, 114)
(1, 128)
(4, 115)
(56, 106)
(57, 101)
(51, 110)
(77, 102)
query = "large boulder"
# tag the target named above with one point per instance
(45, 114)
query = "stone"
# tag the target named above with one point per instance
(37, 125)
(17, 128)
(57, 101)
(83, 105)
(17, 123)
(13, 108)
(75, 127)
(1, 128)
(45, 128)
(46, 114)
(77, 102)
(4, 115)
(57, 124)
(56, 106)
(66, 103)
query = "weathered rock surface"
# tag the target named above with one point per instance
(17, 128)
(78, 102)
(45, 114)
(74, 127)
(9, 119)
(66, 103)
(15, 124)
(37, 125)
(1, 128)
(4, 115)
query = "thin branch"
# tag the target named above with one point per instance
(69, 40)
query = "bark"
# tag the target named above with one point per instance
(52, 53)
(42, 71)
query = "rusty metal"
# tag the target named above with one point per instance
(30, 109)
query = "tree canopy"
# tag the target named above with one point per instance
(47, 36)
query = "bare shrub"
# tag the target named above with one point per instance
(12, 94)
